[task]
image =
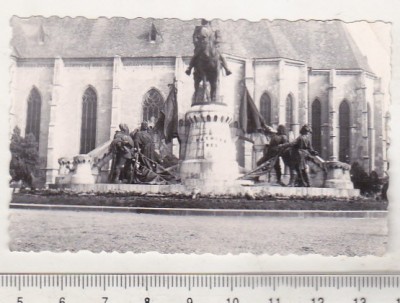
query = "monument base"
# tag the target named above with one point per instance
(201, 172)
(83, 170)
(338, 175)
(210, 157)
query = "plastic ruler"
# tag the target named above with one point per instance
(199, 288)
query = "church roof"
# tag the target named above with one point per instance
(323, 45)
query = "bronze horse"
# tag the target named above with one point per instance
(207, 68)
(287, 157)
(265, 165)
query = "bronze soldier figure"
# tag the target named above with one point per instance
(143, 142)
(123, 130)
(272, 150)
(301, 151)
(121, 149)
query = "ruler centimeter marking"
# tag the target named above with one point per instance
(190, 281)
(199, 288)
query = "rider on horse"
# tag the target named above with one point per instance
(201, 36)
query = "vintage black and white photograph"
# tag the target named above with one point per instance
(199, 136)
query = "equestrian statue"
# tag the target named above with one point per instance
(207, 60)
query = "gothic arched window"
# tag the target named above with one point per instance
(152, 105)
(316, 125)
(344, 132)
(289, 112)
(89, 119)
(33, 114)
(265, 108)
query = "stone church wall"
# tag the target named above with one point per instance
(136, 79)
(380, 132)
(267, 80)
(28, 75)
(290, 80)
(76, 79)
(318, 89)
(232, 86)
(279, 80)
(346, 84)
(233, 91)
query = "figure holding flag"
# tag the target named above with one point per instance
(167, 123)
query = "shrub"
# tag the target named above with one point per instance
(24, 163)
(367, 184)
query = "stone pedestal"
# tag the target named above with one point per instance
(210, 154)
(338, 175)
(83, 170)
(66, 165)
(65, 170)
(317, 176)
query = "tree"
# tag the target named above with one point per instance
(368, 184)
(24, 157)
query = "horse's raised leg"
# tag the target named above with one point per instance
(287, 160)
(196, 83)
(292, 177)
(278, 172)
(213, 87)
(300, 177)
(206, 93)
(196, 88)
(213, 91)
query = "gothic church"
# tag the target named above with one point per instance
(75, 79)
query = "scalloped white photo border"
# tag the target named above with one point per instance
(153, 262)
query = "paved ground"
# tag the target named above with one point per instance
(40, 230)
